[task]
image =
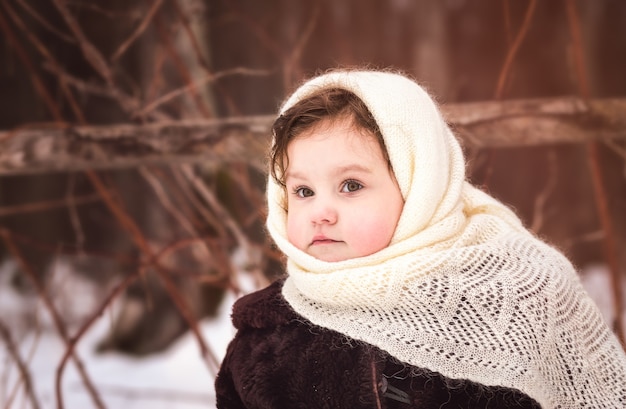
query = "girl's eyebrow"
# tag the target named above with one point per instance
(353, 167)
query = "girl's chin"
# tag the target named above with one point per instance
(329, 252)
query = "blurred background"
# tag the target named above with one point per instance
(124, 264)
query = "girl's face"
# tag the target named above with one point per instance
(343, 201)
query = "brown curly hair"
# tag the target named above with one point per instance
(331, 103)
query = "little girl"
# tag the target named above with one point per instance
(406, 286)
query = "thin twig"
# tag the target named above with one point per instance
(541, 199)
(93, 7)
(126, 101)
(510, 56)
(186, 187)
(589, 237)
(261, 34)
(151, 89)
(179, 189)
(614, 146)
(182, 68)
(192, 38)
(215, 205)
(256, 198)
(579, 55)
(508, 27)
(166, 202)
(73, 341)
(45, 24)
(30, 67)
(109, 197)
(290, 73)
(190, 87)
(138, 31)
(73, 213)
(218, 259)
(207, 353)
(21, 365)
(47, 205)
(68, 250)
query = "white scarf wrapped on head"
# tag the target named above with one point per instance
(463, 289)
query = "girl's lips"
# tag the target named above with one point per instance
(317, 240)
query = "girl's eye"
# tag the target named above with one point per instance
(303, 192)
(351, 186)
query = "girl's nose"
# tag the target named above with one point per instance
(324, 213)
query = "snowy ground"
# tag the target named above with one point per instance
(175, 379)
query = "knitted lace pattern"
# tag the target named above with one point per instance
(463, 289)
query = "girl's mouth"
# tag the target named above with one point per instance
(320, 240)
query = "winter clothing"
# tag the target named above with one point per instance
(463, 289)
(278, 359)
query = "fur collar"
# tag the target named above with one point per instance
(265, 308)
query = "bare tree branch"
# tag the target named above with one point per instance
(504, 124)
(593, 153)
(46, 205)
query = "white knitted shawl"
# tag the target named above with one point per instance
(463, 289)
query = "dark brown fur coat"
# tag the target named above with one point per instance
(278, 359)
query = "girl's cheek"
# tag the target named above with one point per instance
(292, 230)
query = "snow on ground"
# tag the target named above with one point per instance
(174, 379)
(178, 378)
